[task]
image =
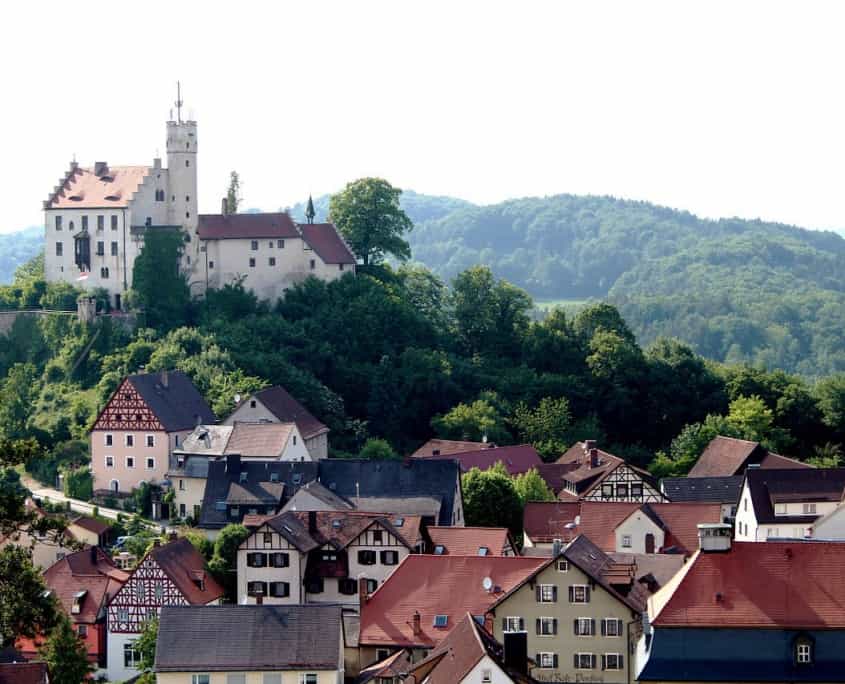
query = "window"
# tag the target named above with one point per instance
(151, 463)
(151, 440)
(159, 592)
(123, 615)
(486, 675)
(441, 621)
(809, 509)
(114, 248)
(70, 226)
(347, 586)
(130, 461)
(59, 248)
(607, 491)
(745, 504)
(187, 198)
(626, 541)
(803, 653)
(84, 223)
(271, 261)
(439, 549)
(340, 267)
(314, 585)
(182, 510)
(104, 272)
(253, 245)
(483, 551)
(101, 248)
(58, 223)
(176, 440)
(372, 585)
(780, 509)
(279, 560)
(131, 657)
(294, 440)
(130, 440)
(114, 222)
(236, 678)
(389, 557)
(611, 627)
(109, 461)
(313, 264)
(381, 654)
(108, 440)
(636, 490)
(378, 536)
(367, 557)
(308, 678)
(585, 661)
(513, 624)
(547, 659)
(268, 538)
(584, 626)
(546, 626)
(280, 244)
(279, 589)
(251, 262)
(622, 491)
(612, 661)
(181, 485)
(272, 679)
(256, 588)
(546, 593)
(234, 512)
(200, 678)
(252, 403)
(188, 163)
(579, 593)
(82, 630)
(210, 264)
(101, 222)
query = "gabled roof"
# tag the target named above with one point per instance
(94, 525)
(469, 541)
(281, 404)
(723, 489)
(768, 486)
(516, 459)
(396, 664)
(554, 475)
(264, 493)
(444, 447)
(183, 564)
(544, 521)
(91, 571)
(82, 188)
(725, 456)
(787, 585)
(325, 240)
(238, 638)
(174, 400)
(586, 466)
(246, 226)
(325, 496)
(436, 585)
(259, 439)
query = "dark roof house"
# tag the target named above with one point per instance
(723, 489)
(286, 409)
(725, 456)
(516, 459)
(769, 487)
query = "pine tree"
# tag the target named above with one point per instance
(65, 654)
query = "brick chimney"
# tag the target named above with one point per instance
(594, 458)
(101, 168)
(416, 623)
(363, 596)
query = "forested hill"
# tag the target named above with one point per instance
(17, 248)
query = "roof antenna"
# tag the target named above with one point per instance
(178, 102)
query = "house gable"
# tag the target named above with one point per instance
(627, 485)
(127, 411)
(142, 597)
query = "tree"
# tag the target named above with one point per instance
(25, 608)
(233, 194)
(378, 450)
(546, 426)
(145, 645)
(368, 215)
(223, 563)
(688, 445)
(601, 316)
(78, 483)
(17, 399)
(531, 487)
(827, 455)
(65, 654)
(159, 287)
(491, 499)
(476, 422)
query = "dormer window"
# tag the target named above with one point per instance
(804, 650)
(78, 598)
(780, 509)
(809, 509)
(242, 478)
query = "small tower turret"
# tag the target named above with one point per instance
(182, 170)
(309, 210)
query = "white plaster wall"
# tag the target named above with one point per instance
(191, 495)
(486, 663)
(745, 527)
(114, 650)
(252, 677)
(832, 526)
(638, 525)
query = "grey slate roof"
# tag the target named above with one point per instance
(176, 402)
(227, 638)
(720, 489)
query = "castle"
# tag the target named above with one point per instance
(96, 219)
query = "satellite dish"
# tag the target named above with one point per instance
(237, 398)
(487, 583)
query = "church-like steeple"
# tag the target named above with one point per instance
(309, 210)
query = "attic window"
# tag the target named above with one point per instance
(242, 478)
(441, 621)
(78, 598)
(296, 478)
(220, 506)
(483, 551)
(274, 477)
(435, 452)
(439, 549)
(252, 404)
(398, 522)
(337, 524)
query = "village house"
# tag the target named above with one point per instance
(721, 489)
(171, 574)
(585, 472)
(323, 557)
(44, 549)
(24, 673)
(470, 541)
(726, 456)
(276, 405)
(428, 595)
(90, 531)
(779, 503)
(741, 612)
(250, 645)
(445, 447)
(580, 611)
(82, 584)
(516, 459)
(147, 416)
(313, 496)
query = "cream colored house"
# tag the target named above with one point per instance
(264, 645)
(580, 613)
(323, 557)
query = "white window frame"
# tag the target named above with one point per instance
(780, 509)
(108, 439)
(547, 660)
(551, 590)
(107, 459)
(575, 589)
(487, 673)
(809, 509)
(803, 654)
(547, 622)
(618, 657)
(134, 656)
(148, 439)
(198, 678)
(611, 621)
(585, 627)
(563, 565)
(308, 678)
(130, 458)
(510, 620)
(627, 541)
(147, 460)
(589, 657)
(127, 439)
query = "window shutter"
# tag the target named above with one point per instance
(572, 594)
(603, 662)
(554, 660)
(587, 594)
(621, 661)
(539, 629)
(592, 627)
(554, 625)
(537, 658)
(575, 661)
(554, 593)
(522, 624)
(575, 627)
(619, 627)
(504, 624)
(537, 593)
(593, 661)
(603, 630)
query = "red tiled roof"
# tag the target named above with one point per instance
(466, 541)
(79, 572)
(772, 461)
(246, 226)
(94, 525)
(554, 475)
(436, 585)
(183, 564)
(447, 446)
(258, 439)
(288, 410)
(325, 240)
(786, 585)
(600, 519)
(340, 528)
(516, 459)
(544, 521)
(83, 189)
(23, 673)
(723, 456)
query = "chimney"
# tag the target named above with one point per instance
(714, 537)
(312, 522)
(415, 623)
(233, 464)
(224, 207)
(516, 651)
(157, 163)
(100, 168)
(557, 547)
(589, 444)
(594, 458)
(165, 380)
(363, 596)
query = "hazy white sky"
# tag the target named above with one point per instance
(722, 108)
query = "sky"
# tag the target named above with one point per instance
(721, 108)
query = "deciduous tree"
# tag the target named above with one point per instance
(65, 654)
(491, 499)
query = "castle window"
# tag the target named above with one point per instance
(101, 222)
(187, 198)
(254, 245)
(211, 264)
(114, 249)
(252, 262)
(272, 261)
(114, 222)
(104, 272)
(59, 248)
(58, 223)
(280, 244)
(313, 264)
(101, 248)
(187, 146)
(84, 223)
(187, 214)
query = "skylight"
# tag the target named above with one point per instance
(439, 550)
(398, 522)
(441, 620)
(483, 551)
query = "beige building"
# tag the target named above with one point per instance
(323, 557)
(580, 612)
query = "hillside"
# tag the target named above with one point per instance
(18, 248)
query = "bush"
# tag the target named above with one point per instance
(378, 450)
(78, 483)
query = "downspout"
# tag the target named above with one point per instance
(124, 248)
(631, 652)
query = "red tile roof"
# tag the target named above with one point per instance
(258, 439)
(83, 189)
(246, 226)
(94, 525)
(544, 521)
(183, 564)
(436, 585)
(23, 673)
(441, 447)
(325, 240)
(773, 461)
(288, 410)
(466, 541)
(723, 456)
(791, 585)
(516, 459)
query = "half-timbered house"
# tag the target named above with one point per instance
(172, 574)
(323, 556)
(147, 416)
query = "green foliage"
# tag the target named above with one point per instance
(233, 193)
(481, 420)
(378, 450)
(750, 417)
(223, 563)
(68, 455)
(201, 543)
(145, 644)
(688, 445)
(368, 215)
(827, 456)
(546, 426)
(531, 487)
(65, 653)
(78, 483)
(24, 608)
(491, 499)
(159, 288)
(17, 395)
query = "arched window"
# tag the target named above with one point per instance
(804, 648)
(114, 486)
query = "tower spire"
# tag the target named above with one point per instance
(309, 210)
(178, 101)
